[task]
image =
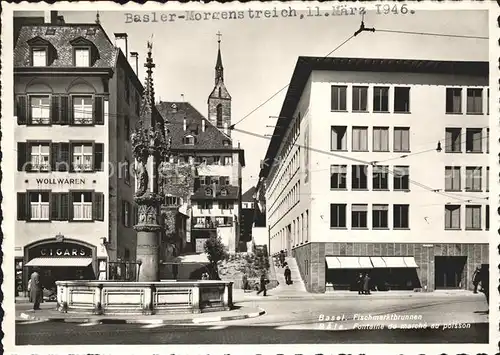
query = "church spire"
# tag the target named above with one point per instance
(219, 69)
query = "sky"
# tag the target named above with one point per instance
(259, 56)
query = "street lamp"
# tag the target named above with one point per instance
(438, 148)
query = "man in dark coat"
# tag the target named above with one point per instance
(476, 278)
(244, 282)
(263, 282)
(288, 275)
(485, 281)
(366, 284)
(359, 283)
(36, 294)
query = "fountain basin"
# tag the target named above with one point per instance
(119, 297)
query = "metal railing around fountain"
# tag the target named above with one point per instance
(123, 271)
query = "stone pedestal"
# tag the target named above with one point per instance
(148, 255)
(148, 237)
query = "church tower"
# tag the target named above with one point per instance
(219, 101)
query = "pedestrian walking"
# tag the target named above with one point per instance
(476, 278)
(263, 282)
(485, 281)
(282, 258)
(366, 284)
(244, 282)
(36, 294)
(288, 275)
(359, 283)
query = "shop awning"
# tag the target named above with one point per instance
(78, 262)
(332, 262)
(395, 261)
(378, 262)
(410, 261)
(348, 262)
(365, 263)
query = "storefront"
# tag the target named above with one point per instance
(386, 273)
(60, 259)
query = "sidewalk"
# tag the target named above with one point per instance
(48, 312)
(240, 296)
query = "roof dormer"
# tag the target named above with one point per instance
(85, 52)
(189, 140)
(42, 52)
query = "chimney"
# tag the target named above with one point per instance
(135, 55)
(121, 41)
(50, 17)
(202, 125)
(185, 124)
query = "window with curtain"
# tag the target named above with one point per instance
(473, 140)
(401, 99)
(82, 57)
(40, 157)
(339, 138)
(82, 157)
(380, 99)
(452, 216)
(380, 177)
(359, 216)
(380, 214)
(82, 206)
(401, 216)
(401, 139)
(380, 139)
(359, 180)
(359, 139)
(401, 177)
(360, 98)
(39, 57)
(40, 109)
(474, 101)
(453, 140)
(473, 217)
(82, 110)
(39, 206)
(338, 176)
(473, 175)
(337, 215)
(453, 100)
(339, 98)
(452, 178)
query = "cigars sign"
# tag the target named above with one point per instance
(63, 250)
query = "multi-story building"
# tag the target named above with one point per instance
(213, 205)
(76, 97)
(380, 166)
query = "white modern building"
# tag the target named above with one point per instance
(383, 168)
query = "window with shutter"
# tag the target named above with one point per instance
(82, 110)
(98, 206)
(22, 207)
(64, 117)
(99, 157)
(21, 109)
(22, 155)
(99, 110)
(55, 111)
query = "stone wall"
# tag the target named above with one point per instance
(313, 255)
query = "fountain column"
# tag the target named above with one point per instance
(150, 146)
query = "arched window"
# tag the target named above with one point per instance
(219, 116)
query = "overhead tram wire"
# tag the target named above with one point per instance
(287, 85)
(431, 34)
(364, 162)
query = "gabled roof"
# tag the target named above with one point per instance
(61, 41)
(173, 114)
(248, 196)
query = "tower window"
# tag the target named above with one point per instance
(219, 116)
(220, 92)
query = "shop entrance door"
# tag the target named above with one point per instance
(449, 271)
